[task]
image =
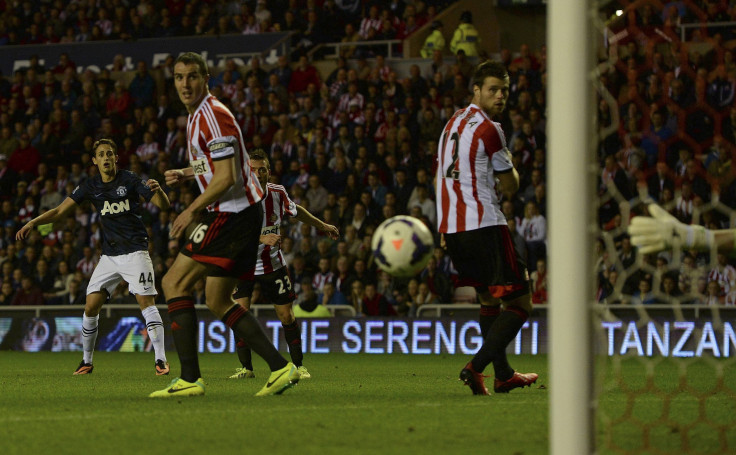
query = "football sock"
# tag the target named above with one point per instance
(488, 315)
(89, 336)
(155, 327)
(244, 354)
(294, 341)
(184, 330)
(503, 330)
(245, 326)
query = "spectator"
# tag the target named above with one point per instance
(302, 76)
(533, 228)
(142, 88)
(28, 294)
(539, 282)
(434, 42)
(331, 295)
(466, 37)
(375, 304)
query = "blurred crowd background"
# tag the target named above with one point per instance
(353, 138)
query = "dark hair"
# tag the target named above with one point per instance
(190, 57)
(487, 69)
(260, 155)
(467, 17)
(102, 141)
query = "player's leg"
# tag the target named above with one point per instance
(177, 285)
(490, 308)
(293, 336)
(507, 326)
(155, 328)
(90, 322)
(283, 374)
(245, 356)
(102, 283)
(137, 269)
(218, 291)
(276, 287)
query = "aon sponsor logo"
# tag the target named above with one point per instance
(115, 207)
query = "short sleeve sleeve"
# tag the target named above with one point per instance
(80, 192)
(287, 205)
(142, 189)
(222, 144)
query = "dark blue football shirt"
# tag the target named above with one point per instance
(118, 205)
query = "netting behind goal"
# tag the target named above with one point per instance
(664, 324)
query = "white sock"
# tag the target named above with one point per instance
(89, 336)
(155, 327)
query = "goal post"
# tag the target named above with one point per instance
(571, 223)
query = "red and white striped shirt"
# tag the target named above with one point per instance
(213, 134)
(276, 204)
(471, 151)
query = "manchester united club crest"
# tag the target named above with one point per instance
(121, 191)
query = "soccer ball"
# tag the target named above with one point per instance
(402, 246)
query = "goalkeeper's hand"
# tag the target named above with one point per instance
(663, 231)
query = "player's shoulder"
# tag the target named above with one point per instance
(212, 104)
(276, 189)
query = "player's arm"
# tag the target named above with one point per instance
(306, 217)
(159, 198)
(50, 216)
(176, 176)
(223, 178)
(508, 182)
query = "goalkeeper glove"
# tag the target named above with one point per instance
(663, 231)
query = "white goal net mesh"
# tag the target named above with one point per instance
(666, 119)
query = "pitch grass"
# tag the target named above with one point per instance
(355, 404)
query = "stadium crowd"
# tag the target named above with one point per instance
(667, 129)
(354, 146)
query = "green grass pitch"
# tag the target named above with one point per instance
(364, 404)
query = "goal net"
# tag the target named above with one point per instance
(648, 94)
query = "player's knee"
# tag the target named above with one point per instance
(144, 301)
(93, 303)
(285, 314)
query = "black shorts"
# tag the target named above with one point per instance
(487, 258)
(227, 241)
(276, 287)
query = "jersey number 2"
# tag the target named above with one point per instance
(452, 170)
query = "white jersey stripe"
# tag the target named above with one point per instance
(470, 152)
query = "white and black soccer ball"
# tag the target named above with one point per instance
(402, 246)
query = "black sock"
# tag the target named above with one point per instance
(503, 330)
(244, 354)
(294, 341)
(488, 315)
(247, 328)
(184, 329)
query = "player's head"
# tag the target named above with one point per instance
(491, 87)
(261, 166)
(105, 156)
(190, 79)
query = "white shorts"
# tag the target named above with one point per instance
(135, 268)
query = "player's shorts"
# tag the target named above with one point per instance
(487, 258)
(227, 241)
(276, 287)
(135, 268)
